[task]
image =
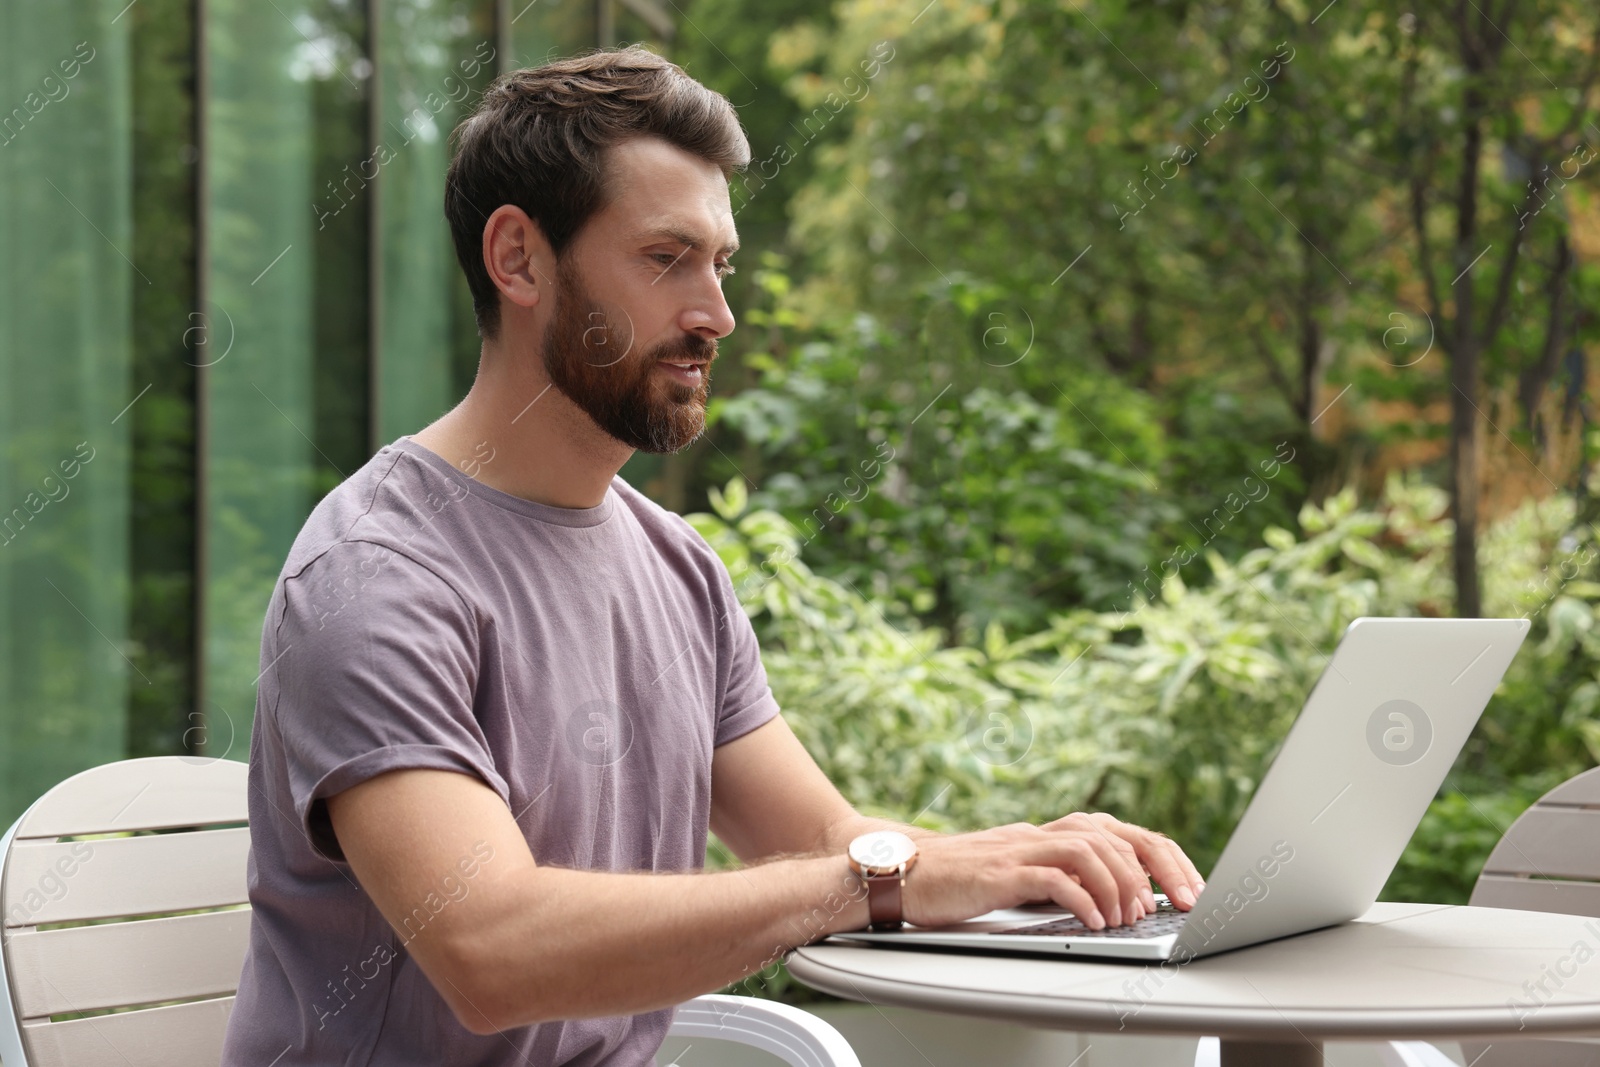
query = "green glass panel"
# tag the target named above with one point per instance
(434, 59)
(548, 29)
(285, 388)
(167, 337)
(65, 352)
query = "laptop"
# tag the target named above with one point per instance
(1326, 826)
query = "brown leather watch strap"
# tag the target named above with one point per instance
(883, 900)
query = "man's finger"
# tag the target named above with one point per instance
(1170, 867)
(1123, 860)
(1054, 885)
(1112, 830)
(1085, 860)
(1159, 857)
(1097, 867)
(1186, 867)
(1155, 854)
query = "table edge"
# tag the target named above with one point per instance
(1101, 1016)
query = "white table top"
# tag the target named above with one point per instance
(1400, 971)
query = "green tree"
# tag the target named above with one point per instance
(1517, 81)
(1232, 207)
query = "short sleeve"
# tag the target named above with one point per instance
(747, 700)
(376, 671)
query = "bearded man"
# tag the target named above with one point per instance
(505, 696)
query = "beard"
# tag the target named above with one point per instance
(591, 361)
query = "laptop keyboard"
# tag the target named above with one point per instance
(1166, 919)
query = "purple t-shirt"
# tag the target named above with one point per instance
(581, 662)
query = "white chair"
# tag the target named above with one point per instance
(178, 972)
(796, 1037)
(1548, 860)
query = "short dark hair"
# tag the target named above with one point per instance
(538, 138)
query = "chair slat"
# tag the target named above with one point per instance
(155, 793)
(1582, 789)
(180, 1035)
(1532, 894)
(87, 968)
(1550, 842)
(58, 882)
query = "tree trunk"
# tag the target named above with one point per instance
(1464, 471)
(1310, 339)
(1465, 372)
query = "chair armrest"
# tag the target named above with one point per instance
(794, 1036)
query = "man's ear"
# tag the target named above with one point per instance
(517, 256)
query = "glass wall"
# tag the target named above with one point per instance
(434, 59)
(168, 342)
(283, 410)
(66, 280)
(227, 281)
(538, 33)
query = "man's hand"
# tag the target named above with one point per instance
(1094, 865)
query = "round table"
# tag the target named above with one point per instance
(1401, 971)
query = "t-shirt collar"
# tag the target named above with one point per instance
(532, 508)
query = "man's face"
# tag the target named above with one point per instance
(638, 303)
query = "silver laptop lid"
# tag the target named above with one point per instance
(1353, 779)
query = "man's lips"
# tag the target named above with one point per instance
(690, 372)
(696, 360)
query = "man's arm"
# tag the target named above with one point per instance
(506, 950)
(769, 798)
(504, 943)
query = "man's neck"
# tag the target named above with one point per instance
(524, 437)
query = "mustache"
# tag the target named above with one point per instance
(691, 346)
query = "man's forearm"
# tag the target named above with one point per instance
(580, 944)
(841, 833)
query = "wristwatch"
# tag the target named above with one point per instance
(882, 859)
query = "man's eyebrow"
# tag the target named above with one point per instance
(683, 237)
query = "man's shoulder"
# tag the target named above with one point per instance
(379, 518)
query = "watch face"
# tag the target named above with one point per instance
(882, 849)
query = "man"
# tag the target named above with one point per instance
(504, 695)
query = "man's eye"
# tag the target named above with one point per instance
(666, 259)
(724, 269)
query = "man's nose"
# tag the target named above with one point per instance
(709, 317)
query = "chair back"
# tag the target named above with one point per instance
(1549, 860)
(125, 916)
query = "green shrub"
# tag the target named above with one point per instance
(1168, 714)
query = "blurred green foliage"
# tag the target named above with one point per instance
(1168, 714)
(1059, 434)
(979, 501)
